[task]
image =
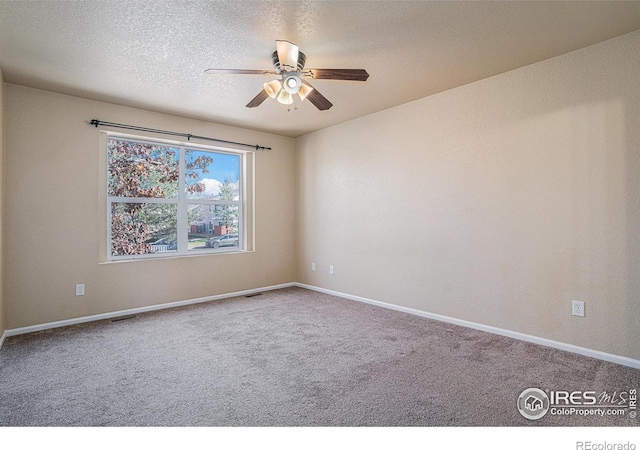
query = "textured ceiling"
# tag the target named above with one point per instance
(153, 54)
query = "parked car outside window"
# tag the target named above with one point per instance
(226, 240)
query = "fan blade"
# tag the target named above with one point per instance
(319, 100)
(338, 74)
(258, 99)
(287, 54)
(239, 72)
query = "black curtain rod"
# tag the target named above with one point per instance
(97, 122)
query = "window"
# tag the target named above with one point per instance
(165, 199)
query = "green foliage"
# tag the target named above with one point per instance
(227, 190)
(228, 213)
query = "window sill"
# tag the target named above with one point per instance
(166, 257)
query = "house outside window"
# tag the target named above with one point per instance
(165, 199)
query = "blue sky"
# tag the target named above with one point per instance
(224, 167)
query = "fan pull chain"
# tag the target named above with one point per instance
(295, 106)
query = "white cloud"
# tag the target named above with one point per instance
(211, 187)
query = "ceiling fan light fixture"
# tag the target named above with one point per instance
(292, 84)
(272, 88)
(284, 97)
(289, 66)
(305, 90)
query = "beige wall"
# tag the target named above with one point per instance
(498, 202)
(53, 230)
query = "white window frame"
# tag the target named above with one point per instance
(245, 236)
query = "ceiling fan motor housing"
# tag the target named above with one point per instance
(279, 68)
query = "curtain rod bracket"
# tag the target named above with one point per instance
(97, 122)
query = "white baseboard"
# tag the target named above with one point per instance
(127, 312)
(4, 335)
(623, 360)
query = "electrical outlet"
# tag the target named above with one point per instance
(79, 290)
(577, 308)
(313, 267)
(330, 270)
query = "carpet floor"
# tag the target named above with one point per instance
(291, 357)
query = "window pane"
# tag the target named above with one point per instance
(138, 169)
(213, 226)
(213, 176)
(143, 228)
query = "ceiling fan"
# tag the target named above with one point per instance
(288, 63)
